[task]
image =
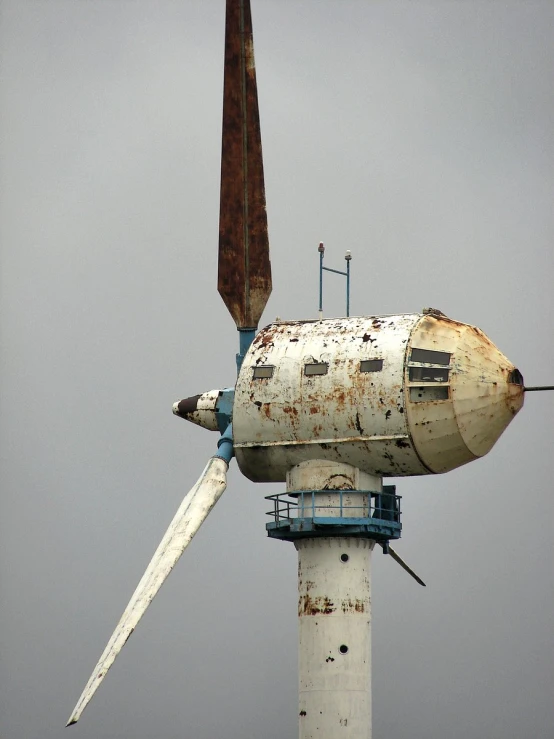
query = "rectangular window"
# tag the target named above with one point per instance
(425, 394)
(317, 368)
(428, 374)
(430, 356)
(263, 371)
(371, 365)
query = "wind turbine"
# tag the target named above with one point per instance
(330, 407)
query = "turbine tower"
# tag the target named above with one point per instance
(330, 407)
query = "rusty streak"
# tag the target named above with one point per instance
(353, 606)
(321, 605)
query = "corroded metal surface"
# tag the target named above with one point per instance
(357, 418)
(191, 514)
(334, 613)
(482, 400)
(244, 278)
(199, 409)
(403, 417)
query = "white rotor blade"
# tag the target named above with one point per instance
(398, 558)
(191, 514)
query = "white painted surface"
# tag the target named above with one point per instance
(449, 433)
(347, 416)
(191, 514)
(328, 477)
(334, 609)
(204, 415)
(371, 420)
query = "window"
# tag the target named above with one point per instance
(371, 365)
(316, 368)
(425, 394)
(428, 374)
(263, 371)
(430, 356)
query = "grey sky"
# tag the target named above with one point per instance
(420, 135)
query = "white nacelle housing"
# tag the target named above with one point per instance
(409, 394)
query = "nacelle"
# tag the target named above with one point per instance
(410, 394)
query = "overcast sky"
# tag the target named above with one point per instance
(420, 135)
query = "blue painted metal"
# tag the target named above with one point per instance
(225, 449)
(224, 408)
(294, 517)
(336, 271)
(321, 250)
(348, 257)
(246, 337)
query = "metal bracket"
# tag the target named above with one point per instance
(224, 408)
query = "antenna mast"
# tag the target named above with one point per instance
(348, 258)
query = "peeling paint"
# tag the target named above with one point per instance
(244, 276)
(368, 419)
(308, 606)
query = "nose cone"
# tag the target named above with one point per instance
(199, 409)
(487, 391)
(461, 392)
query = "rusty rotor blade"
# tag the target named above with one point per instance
(244, 278)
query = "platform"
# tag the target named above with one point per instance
(360, 513)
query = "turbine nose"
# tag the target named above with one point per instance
(184, 408)
(481, 393)
(199, 409)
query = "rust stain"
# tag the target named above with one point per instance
(244, 276)
(368, 337)
(339, 482)
(320, 605)
(353, 606)
(266, 338)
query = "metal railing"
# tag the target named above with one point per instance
(311, 504)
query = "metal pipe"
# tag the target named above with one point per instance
(246, 337)
(542, 387)
(321, 250)
(348, 257)
(225, 448)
